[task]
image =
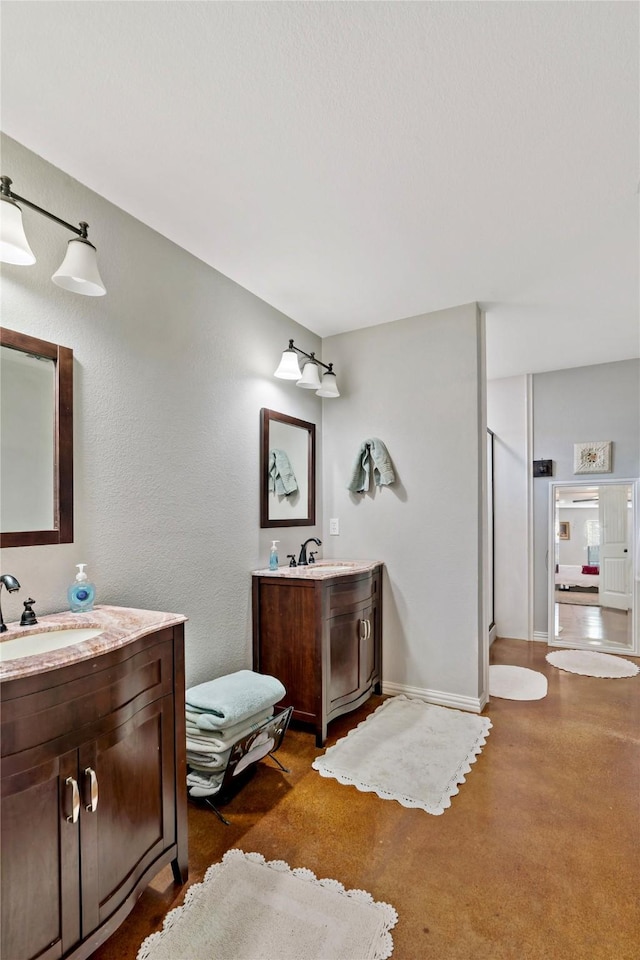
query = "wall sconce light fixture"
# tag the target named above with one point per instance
(78, 271)
(309, 379)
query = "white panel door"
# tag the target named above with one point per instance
(615, 565)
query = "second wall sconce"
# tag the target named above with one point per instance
(309, 379)
(78, 271)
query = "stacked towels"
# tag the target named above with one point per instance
(219, 713)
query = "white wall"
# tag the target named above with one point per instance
(171, 369)
(574, 550)
(418, 385)
(508, 412)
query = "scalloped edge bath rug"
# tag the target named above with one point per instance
(410, 751)
(516, 683)
(589, 663)
(249, 908)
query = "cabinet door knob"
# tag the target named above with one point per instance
(93, 780)
(75, 800)
(368, 636)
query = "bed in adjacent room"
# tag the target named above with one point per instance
(574, 579)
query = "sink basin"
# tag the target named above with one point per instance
(30, 645)
(320, 567)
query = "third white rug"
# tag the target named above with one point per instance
(589, 663)
(516, 683)
(409, 751)
(249, 908)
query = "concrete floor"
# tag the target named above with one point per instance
(537, 857)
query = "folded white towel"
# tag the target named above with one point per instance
(203, 742)
(236, 697)
(209, 724)
(211, 762)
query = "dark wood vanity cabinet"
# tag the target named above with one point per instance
(93, 794)
(322, 639)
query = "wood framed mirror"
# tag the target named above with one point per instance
(287, 471)
(36, 454)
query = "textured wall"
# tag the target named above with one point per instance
(171, 370)
(418, 385)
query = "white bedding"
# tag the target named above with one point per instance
(571, 575)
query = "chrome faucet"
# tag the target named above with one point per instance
(302, 559)
(12, 585)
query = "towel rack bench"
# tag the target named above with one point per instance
(237, 774)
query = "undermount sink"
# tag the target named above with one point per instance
(320, 567)
(32, 644)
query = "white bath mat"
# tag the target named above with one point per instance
(592, 664)
(409, 751)
(248, 908)
(516, 683)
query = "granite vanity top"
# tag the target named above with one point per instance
(321, 569)
(120, 625)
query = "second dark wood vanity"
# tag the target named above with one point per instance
(319, 630)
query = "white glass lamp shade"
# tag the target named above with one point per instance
(329, 386)
(78, 271)
(14, 246)
(310, 379)
(288, 368)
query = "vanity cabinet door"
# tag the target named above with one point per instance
(132, 817)
(40, 861)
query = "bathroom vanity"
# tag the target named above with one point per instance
(93, 777)
(318, 629)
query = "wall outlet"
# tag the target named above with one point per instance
(334, 527)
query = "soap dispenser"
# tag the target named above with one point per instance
(273, 555)
(81, 593)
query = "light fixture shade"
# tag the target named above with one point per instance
(329, 386)
(310, 379)
(78, 271)
(14, 246)
(288, 368)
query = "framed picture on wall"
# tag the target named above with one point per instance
(564, 530)
(592, 457)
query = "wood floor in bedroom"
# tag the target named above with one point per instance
(594, 624)
(537, 857)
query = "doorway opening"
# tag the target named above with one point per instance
(593, 576)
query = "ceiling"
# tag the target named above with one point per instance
(357, 163)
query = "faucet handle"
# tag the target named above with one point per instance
(292, 559)
(28, 618)
(312, 556)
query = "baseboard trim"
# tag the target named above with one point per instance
(438, 697)
(540, 636)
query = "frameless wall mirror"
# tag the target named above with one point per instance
(287, 471)
(36, 441)
(594, 585)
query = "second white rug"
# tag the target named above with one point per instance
(589, 663)
(409, 751)
(516, 683)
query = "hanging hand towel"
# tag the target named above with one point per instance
(282, 479)
(371, 451)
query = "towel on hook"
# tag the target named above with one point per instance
(282, 479)
(371, 451)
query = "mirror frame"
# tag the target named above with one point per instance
(62, 357)
(266, 417)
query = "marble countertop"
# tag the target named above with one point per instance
(120, 625)
(320, 570)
